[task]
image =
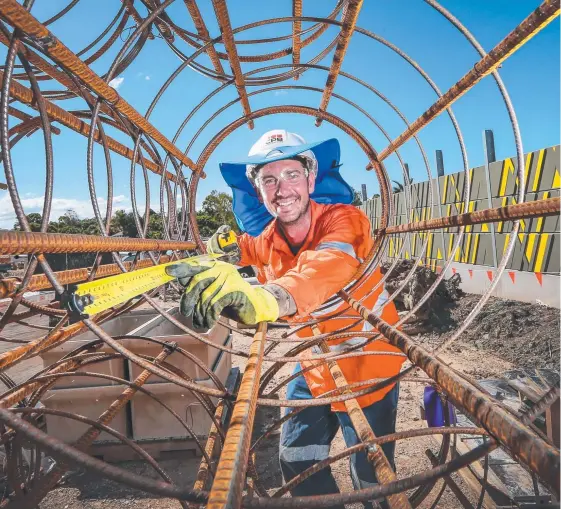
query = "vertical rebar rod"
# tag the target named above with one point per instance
(221, 11)
(347, 30)
(375, 454)
(296, 29)
(229, 481)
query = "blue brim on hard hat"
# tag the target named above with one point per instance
(252, 216)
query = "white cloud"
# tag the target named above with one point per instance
(116, 82)
(59, 206)
(147, 77)
(281, 92)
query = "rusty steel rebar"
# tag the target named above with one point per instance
(213, 435)
(106, 111)
(349, 23)
(129, 6)
(533, 24)
(56, 337)
(12, 242)
(25, 95)
(520, 441)
(15, 397)
(202, 30)
(375, 454)
(163, 27)
(223, 18)
(33, 348)
(75, 456)
(537, 208)
(18, 17)
(229, 481)
(28, 118)
(296, 29)
(72, 86)
(321, 25)
(88, 437)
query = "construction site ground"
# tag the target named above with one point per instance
(506, 335)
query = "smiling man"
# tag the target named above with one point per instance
(306, 243)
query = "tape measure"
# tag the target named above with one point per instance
(94, 297)
(227, 241)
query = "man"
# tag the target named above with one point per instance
(306, 252)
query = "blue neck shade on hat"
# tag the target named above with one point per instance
(252, 216)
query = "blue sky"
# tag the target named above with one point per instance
(531, 77)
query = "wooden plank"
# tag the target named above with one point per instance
(471, 481)
(552, 422)
(532, 392)
(450, 483)
(496, 491)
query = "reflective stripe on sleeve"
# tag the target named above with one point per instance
(380, 303)
(328, 310)
(348, 343)
(341, 246)
(304, 453)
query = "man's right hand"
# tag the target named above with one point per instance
(213, 286)
(215, 245)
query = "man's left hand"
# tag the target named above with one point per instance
(212, 286)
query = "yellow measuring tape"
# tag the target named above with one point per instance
(93, 297)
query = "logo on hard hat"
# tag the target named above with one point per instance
(275, 138)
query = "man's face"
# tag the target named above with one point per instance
(285, 189)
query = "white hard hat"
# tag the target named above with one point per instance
(276, 145)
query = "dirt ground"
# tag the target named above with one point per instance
(510, 334)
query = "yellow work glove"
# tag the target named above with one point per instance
(221, 244)
(212, 287)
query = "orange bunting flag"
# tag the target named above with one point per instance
(539, 277)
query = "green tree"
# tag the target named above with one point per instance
(398, 187)
(89, 226)
(155, 226)
(357, 199)
(123, 222)
(34, 219)
(69, 222)
(216, 210)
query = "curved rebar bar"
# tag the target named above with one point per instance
(35, 56)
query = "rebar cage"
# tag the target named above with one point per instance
(36, 59)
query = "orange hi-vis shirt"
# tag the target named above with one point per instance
(338, 240)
